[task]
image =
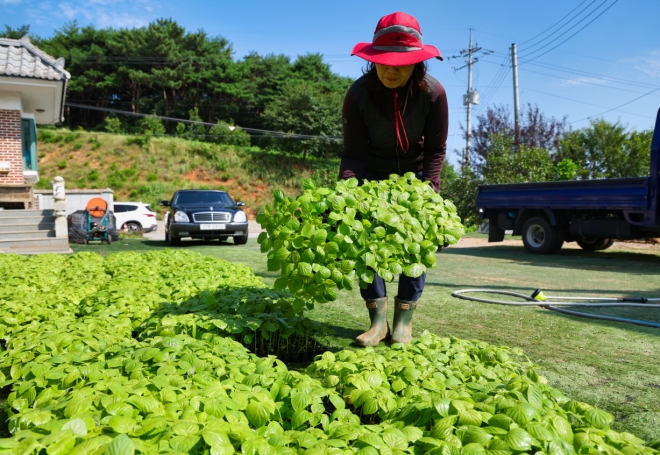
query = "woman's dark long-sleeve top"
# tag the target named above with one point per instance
(370, 135)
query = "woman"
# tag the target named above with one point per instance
(395, 121)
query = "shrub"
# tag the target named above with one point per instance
(228, 134)
(61, 164)
(112, 125)
(151, 126)
(93, 175)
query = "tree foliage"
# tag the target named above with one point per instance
(303, 108)
(15, 33)
(536, 130)
(164, 70)
(607, 150)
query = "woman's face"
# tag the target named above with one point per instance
(394, 76)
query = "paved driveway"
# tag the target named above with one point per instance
(253, 228)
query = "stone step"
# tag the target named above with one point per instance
(32, 246)
(6, 214)
(27, 235)
(41, 226)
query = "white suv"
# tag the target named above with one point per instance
(137, 217)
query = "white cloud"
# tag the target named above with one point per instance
(106, 13)
(584, 81)
(123, 20)
(648, 64)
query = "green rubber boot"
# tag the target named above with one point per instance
(379, 329)
(403, 313)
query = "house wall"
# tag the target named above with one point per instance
(10, 146)
(11, 107)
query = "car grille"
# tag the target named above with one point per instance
(211, 217)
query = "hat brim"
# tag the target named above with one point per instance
(367, 52)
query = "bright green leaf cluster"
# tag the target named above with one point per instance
(116, 380)
(326, 239)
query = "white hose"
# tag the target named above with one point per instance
(539, 299)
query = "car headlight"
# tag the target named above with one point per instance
(181, 217)
(240, 217)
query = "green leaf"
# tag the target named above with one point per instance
(414, 270)
(77, 427)
(372, 439)
(305, 269)
(473, 449)
(394, 440)
(122, 424)
(59, 443)
(598, 418)
(518, 439)
(257, 414)
(184, 443)
(522, 414)
(121, 445)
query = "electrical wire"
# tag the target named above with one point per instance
(585, 26)
(550, 302)
(617, 107)
(194, 122)
(568, 22)
(569, 13)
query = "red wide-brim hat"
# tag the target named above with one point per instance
(397, 42)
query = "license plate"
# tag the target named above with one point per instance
(212, 227)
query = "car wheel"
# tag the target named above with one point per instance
(134, 228)
(540, 237)
(172, 240)
(241, 239)
(594, 244)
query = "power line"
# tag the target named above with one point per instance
(534, 37)
(615, 108)
(194, 122)
(585, 26)
(568, 22)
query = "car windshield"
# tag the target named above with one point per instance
(203, 197)
(148, 207)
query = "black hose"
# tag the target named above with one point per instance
(546, 302)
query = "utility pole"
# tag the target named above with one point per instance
(472, 96)
(516, 103)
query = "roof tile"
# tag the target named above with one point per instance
(22, 58)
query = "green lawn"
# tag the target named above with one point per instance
(611, 365)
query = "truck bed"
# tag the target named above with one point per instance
(626, 194)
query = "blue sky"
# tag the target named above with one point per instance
(612, 59)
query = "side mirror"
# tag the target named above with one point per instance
(240, 203)
(164, 203)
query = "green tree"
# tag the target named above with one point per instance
(228, 134)
(15, 33)
(504, 164)
(302, 108)
(607, 150)
(151, 126)
(462, 191)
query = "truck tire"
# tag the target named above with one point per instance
(540, 237)
(594, 244)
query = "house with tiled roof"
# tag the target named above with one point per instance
(32, 92)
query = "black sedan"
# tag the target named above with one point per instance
(204, 214)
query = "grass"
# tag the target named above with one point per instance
(611, 365)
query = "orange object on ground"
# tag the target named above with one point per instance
(97, 207)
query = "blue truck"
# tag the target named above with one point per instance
(592, 213)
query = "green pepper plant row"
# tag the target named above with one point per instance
(85, 379)
(326, 239)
